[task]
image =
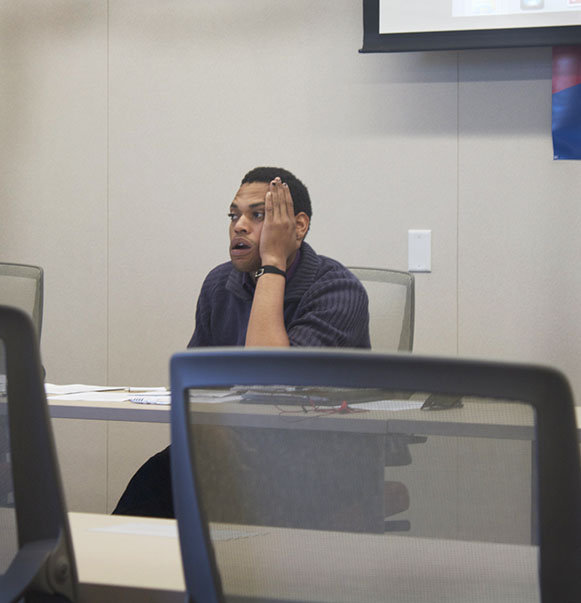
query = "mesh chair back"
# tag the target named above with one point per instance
(36, 554)
(391, 307)
(22, 286)
(279, 465)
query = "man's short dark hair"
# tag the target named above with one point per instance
(299, 192)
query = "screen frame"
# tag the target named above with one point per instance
(373, 41)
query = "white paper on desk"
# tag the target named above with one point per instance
(388, 405)
(170, 531)
(111, 396)
(141, 529)
(75, 388)
(229, 534)
(213, 396)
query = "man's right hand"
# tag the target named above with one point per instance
(278, 239)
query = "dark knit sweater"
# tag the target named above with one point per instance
(324, 305)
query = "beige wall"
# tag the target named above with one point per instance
(127, 125)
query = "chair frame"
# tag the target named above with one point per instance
(399, 277)
(35, 273)
(545, 389)
(44, 565)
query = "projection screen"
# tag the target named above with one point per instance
(406, 25)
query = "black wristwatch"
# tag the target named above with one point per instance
(269, 270)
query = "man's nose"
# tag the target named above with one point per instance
(242, 224)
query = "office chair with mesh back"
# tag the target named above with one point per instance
(22, 286)
(391, 295)
(391, 307)
(36, 554)
(476, 488)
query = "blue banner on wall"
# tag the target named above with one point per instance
(567, 102)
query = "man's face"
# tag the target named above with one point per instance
(246, 221)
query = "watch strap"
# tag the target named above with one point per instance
(269, 270)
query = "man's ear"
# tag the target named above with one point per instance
(302, 225)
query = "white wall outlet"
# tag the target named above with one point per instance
(420, 250)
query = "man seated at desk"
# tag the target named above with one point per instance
(274, 291)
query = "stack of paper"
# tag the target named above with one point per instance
(99, 393)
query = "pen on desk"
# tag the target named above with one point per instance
(150, 400)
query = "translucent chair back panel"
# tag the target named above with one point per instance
(22, 286)
(292, 480)
(19, 292)
(391, 307)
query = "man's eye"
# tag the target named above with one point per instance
(232, 217)
(259, 215)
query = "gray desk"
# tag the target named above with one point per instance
(489, 421)
(63, 408)
(135, 559)
(101, 445)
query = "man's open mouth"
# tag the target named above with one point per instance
(239, 247)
